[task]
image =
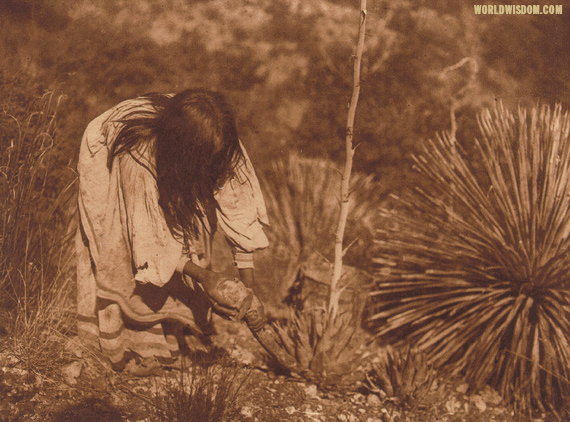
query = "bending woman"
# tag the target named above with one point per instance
(157, 176)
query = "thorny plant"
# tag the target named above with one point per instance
(403, 375)
(324, 348)
(475, 269)
(301, 196)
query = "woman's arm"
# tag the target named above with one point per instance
(230, 298)
(255, 317)
(246, 275)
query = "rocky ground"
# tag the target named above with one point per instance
(84, 390)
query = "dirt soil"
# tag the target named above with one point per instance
(88, 391)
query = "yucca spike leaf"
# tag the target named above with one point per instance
(474, 265)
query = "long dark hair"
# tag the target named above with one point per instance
(196, 147)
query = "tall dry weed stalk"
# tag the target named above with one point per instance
(35, 254)
(476, 267)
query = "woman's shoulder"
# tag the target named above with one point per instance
(101, 130)
(123, 109)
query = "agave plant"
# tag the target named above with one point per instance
(324, 348)
(475, 267)
(405, 376)
(324, 345)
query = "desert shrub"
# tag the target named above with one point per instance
(302, 198)
(324, 345)
(198, 394)
(474, 268)
(35, 253)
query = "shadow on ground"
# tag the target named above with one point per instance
(89, 410)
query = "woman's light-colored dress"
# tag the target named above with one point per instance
(129, 291)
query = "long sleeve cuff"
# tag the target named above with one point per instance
(243, 259)
(182, 263)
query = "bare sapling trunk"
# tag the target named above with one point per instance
(319, 338)
(335, 289)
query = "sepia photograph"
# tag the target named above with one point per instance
(285, 210)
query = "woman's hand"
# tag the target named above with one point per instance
(230, 298)
(255, 317)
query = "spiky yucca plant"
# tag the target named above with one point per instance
(475, 269)
(301, 195)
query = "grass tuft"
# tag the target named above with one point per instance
(35, 253)
(208, 394)
(475, 268)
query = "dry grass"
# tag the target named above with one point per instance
(198, 394)
(35, 253)
(476, 270)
